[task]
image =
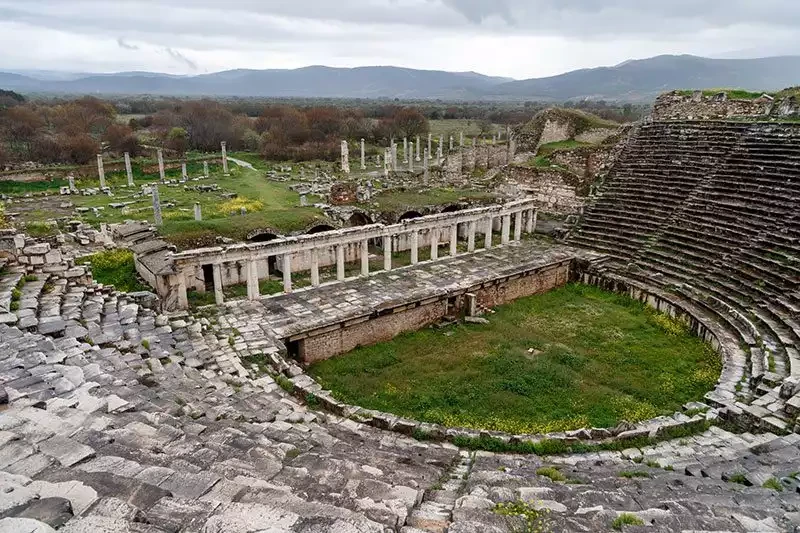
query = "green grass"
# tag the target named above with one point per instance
(626, 519)
(447, 127)
(773, 484)
(550, 472)
(733, 94)
(597, 358)
(630, 474)
(116, 268)
(398, 200)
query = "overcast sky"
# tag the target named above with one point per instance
(515, 38)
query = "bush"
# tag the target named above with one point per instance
(116, 268)
(626, 519)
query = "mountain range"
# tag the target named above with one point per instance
(634, 81)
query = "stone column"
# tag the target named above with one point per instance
(198, 212)
(340, 273)
(157, 207)
(518, 226)
(287, 273)
(414, 247)
(506, 231)
(411, 160)
(365, 258)
(387, 252)
(394, 157)
(161, 175)
(219, 296)
(509, 148)
(101, 171)
(454, 240)
(363, 156)
(471, 237)
(315, 267)
(440, 150)
(183, 297)
(405, 149)
(426, 170)
(184, 174)
(345, 158)
(72, 187)
(531, 226)
(489, 229)
(128, 169)
(223, 145)
(434, 244)
(387, 157)
(461, 139)
(205, 169)
(430, 148)
(418, 150)
(253, 290)
(451, 143)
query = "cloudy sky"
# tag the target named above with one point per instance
(515, 38)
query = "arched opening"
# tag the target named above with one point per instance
(264, 236)
(319, 228)
(408, 215)
(358, 219)
(452, 208)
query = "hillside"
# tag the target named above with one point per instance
(634, 81)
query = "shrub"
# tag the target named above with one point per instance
(553, 473)
(626, 519)
(525, 517)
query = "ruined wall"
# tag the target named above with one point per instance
(586, 161)
(556, 124)
(555, 191)
(678, 106)
(371, 330)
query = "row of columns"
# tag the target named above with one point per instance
(161, 172)
(523, 221)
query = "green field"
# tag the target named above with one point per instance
(571, 358)
(453, 126)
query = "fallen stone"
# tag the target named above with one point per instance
(55, 512)
(475, 320)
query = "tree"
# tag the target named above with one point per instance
(410, 122)
(178, 140)
(121, 139)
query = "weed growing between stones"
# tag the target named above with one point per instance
(523, 516)
(553, 473)
(626, 519)
(115, 268)
(773, 484)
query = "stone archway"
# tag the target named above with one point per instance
(358, 219)
(320, 228)
(408, 215)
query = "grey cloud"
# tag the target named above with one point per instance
(122, 44)
(181, 58)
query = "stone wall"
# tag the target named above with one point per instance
(554, 190)
(335, 339)
(678, 106)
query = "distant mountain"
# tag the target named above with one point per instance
(643, 80)
(634, 80)
(316, 81)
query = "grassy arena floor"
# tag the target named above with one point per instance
(574, 357)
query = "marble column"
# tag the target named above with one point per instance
(434, 244)
(405, 149)
(440, 150)
(219, 296)
(365, 258)
(363, 156)
(451, 143)
(387, 252)
(183, 297)
(454, 240)
(387, 157)
(394, 157)
(418, 150)
(72, 187)
(253, 290)
(426, 170)
(161, 175)
(157, 207)
(532, 215)
(506, 229)
(345, 158)
(205, 169)
(287, 273)
(489, 229)
(518, 226)
(101, 171)
(315, 267)
(128, 169)
(224, 145)
(340, 273)
(471, 237)
(430, 148)
(184, 174)
(414, 247)
(411, 160)
(461, 139)
(198, 212)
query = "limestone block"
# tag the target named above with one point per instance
(36, 249)
(53, 256)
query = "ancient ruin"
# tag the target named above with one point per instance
(141, 412)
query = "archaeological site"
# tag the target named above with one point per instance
(562, 324)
